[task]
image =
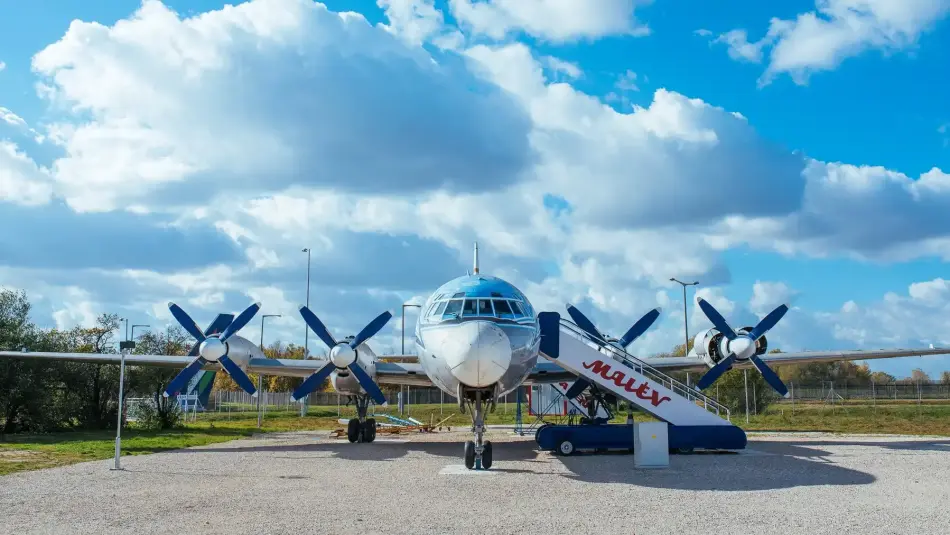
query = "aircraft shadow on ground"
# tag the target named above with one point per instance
(766, 465)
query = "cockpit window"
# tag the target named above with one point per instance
(484, 308)
(469, 308)
(440, 307)
(516, 308)
(454, 307)
(503, 310)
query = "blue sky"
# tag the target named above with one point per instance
(261, 148)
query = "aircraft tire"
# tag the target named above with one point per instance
(486, 455)
(369, 430)
(353, 430)
(470, 454)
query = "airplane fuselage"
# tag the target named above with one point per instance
(478, 332)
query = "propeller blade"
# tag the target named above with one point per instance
(180, 380)
(240, 321)
(368, 384)
(238, 375)
(317, 326)
(372, 328)
(770, 376)
(581, 320)
(640, 327)
(706, 380)
(575, 390)
(768, 322)
(311, 383)
(186, 322)
(716, 318)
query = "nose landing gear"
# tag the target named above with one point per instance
(478, 453)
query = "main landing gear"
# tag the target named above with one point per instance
(478, 453)
(361, 429)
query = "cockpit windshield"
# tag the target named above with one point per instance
(501, 308)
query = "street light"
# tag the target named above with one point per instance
(306, 330)
(126, 320)
(403, 352)
(685, 320)
(404, 305)
(262, 327)
(260, 376)
(133, 330)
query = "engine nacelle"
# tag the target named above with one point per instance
(344, 382)
(706, 345)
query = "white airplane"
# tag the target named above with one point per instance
(478, 338)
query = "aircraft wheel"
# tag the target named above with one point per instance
(486, 456)
(353, 430)
(470, 454)
(566, 447)
(369, 430)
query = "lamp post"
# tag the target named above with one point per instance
(260, 377)
(133, 330)
(404, 305)
(685, 317)
(126, 320)
(306, 330)
(403, 347)
(262, 327)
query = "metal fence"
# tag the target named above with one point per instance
(842, 391)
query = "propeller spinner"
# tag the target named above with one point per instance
(342, 356)
(212, 348)
(587, 326)
(741, 346)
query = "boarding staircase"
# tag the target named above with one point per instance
(627, 377)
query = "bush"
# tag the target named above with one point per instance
(158, 414)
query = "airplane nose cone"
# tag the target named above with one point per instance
(478, 353)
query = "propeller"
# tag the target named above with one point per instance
(741, 346)
(587, 326)
(342, 356)
(213, 348)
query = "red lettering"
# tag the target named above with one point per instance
(600, 368)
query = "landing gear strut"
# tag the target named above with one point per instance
(361, 429)
(478, 453)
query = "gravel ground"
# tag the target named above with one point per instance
(307, 483)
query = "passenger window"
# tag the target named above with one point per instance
(516, 308)
(469, 308)
(454, 307)
(484, 308)
(503, 310)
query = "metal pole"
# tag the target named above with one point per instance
(685, 315)
(260, 414)
(745, 379)
(402, 350)
(118, 425)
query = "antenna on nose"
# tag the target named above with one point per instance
(476, 259)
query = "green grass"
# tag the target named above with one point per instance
(901, 418)
(30, 452)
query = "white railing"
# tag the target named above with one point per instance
(619, 355)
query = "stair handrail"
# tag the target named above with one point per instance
(708, 402)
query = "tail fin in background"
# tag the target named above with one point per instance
(203, 381)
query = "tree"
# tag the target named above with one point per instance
(919, 376)
(945, 377)
(882, 378)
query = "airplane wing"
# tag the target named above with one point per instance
(401, 373)
(107, 358)
(694, 363)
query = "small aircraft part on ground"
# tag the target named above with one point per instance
(408, 425)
